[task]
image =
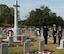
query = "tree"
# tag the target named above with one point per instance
(41, 16)
(5, 14)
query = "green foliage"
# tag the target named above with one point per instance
(41, 16)
(5, 15)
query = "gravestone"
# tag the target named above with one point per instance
(23, 38)
(4, 48)
(41, 45)
(26, 47)
(61, 44)
(10, 43)
(42, 33)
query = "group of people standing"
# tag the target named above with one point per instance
(55, 31)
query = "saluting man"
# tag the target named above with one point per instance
(45, 33)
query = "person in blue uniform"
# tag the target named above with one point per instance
(54, 33)
(45, 33)
(59, 34)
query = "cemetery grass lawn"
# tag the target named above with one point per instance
(53, 48)
(35, 47)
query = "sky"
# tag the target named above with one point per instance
(26, 6)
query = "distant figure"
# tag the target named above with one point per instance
(45, 33)
(37, 32)
(59, 34)
(10, 32)
(54, 33)
(50, 32)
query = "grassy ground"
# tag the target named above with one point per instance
(53, 47)
(34, 47)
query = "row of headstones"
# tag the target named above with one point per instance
(11, 42)
(27, 45)
(4, 47)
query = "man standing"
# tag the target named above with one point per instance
(54, 33)
(45, 33)
(59, 34)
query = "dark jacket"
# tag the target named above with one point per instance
(45, 31)
(54, 32)
(60, 33)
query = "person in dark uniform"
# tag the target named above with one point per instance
(54, 33)
(45, 33)
(59, 34)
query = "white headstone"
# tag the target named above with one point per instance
(4, 48)
(41, 45)
(61, 44)
(10, 41)
(26, 47)
(42, 34)
(23, 38)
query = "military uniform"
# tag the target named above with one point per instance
(45, 34)
(54, 33)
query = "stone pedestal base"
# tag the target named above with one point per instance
(17, 38)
